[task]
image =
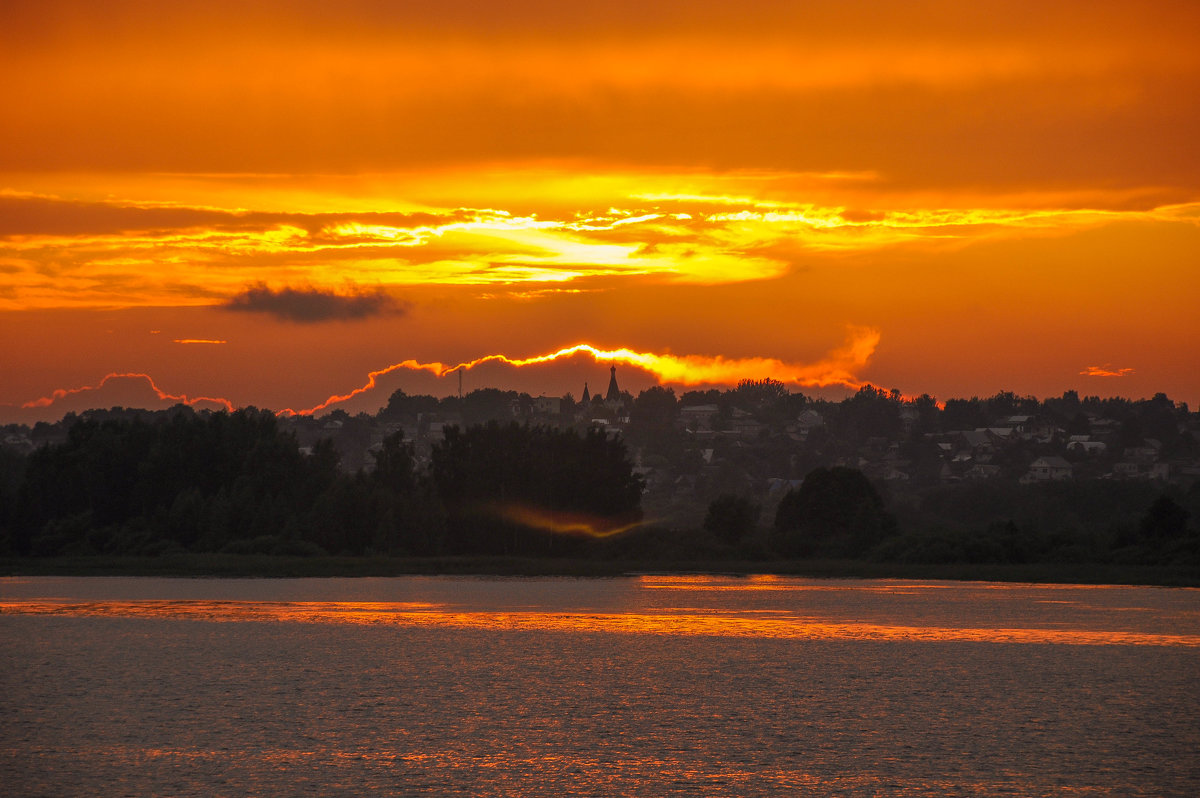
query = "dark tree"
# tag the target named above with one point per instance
(960, 414)
(1165, 520)
(394, 463)
(872, 412)
(731, 518)
(652, 422)
(401, 406)
(490, 404)
(835, 512)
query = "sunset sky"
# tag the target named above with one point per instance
(265, 203)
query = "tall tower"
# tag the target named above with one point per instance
(587, 397)
(614, 393)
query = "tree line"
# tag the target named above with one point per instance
(134, 482)
(237, 482)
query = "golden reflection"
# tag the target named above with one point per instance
(772, 582)
(677, 623)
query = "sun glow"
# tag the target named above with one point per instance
(63, 393)
(688, 370)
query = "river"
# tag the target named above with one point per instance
(639, 685)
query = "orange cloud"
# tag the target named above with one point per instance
(1106, 371)
(198, 341)
(65, 393)
(838, 368)
(120, 254)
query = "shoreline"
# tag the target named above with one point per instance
(283, 567)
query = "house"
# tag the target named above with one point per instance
(1086, 446)
(1146, 453)
(975, 440)
(1046, 469)
(747, 427)
(982, 471)
(548, 405)
(810, 420)
(698, 416)
(18, 443)
(1019, 424)
(777, 486)
(998, 434)
(1127, 469)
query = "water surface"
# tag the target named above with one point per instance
(652, 685)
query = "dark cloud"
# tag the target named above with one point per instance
(312, 305)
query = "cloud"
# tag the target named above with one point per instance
(1106, 371)
(837, 368)
(133, 389)
(313, 305)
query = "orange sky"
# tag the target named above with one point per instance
(267, 204)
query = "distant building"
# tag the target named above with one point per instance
(698, 416)
(1086, 446)
(981, 471)
(810, 419)
(1046, 469)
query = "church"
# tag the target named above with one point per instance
(612, 398)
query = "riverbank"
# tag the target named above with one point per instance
(269, 566)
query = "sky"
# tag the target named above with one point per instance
(279, 204)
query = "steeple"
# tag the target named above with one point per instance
(614, 393)
(587, 397)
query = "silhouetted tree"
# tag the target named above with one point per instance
(652, 422)
(731, 518)
(394, 463)
(401, 406)
(1165, 520)
(835, 512)
(963, 414)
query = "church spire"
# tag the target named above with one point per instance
(614, 393)
(587, 397)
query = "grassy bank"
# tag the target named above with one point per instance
(245, 566)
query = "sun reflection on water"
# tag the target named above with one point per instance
(675, 621)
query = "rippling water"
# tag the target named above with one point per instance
(649, 685)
